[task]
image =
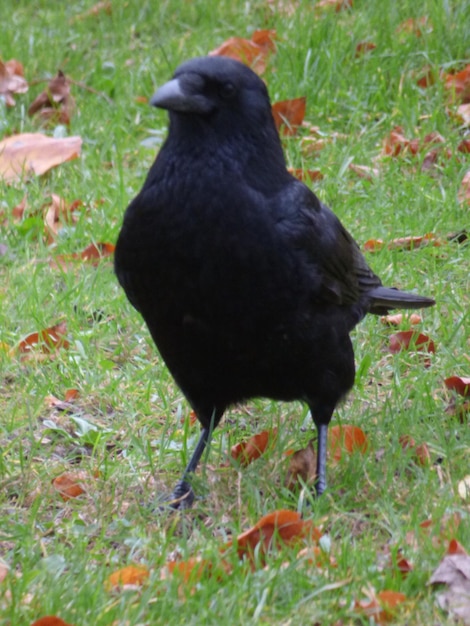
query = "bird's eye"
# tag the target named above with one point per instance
(227, 90)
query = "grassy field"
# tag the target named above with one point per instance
(128, 431)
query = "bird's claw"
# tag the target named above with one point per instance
(182, 497)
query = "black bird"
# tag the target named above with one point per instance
(249, 285)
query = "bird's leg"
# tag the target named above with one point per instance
(182, 496)
(320, 481)
(321, 414)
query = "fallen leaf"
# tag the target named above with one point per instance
(131, 575)
(248, 451)
(363, 47)
(415, 26)
(4, 570)
(71, 484)
(55, 103)
(11, 81)
(421, 454)
(411, 339)
(463, 488)
(346, 438)
(427, 78)
(382, 606)
(306, 175)
(50, 620)
(289, 115)
(93, 254)
(455, 547)
(252, 52)
(337, 5)
(34, 153)
(460, 384)
(399, 318)
(56, 213)
(105, 6)
(454, 572)
(458, 85)
(464, 191)
(47, 341)
(302, 465)
(463, 114)
(282, 527)
(364, 171)
(71, 395)
(396, 143)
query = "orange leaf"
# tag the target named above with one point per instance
(460, 384)
(348, 439)
(363, 47)
(252, 52)
(410, 243)
(459, 84)
(48, 340)
(398, 318)
(34, 153)
(192, 569)
(421, 452)
(71, 484)
(464, 191)
(411, 339)
(338, 5)
(374, 245)
(289, 114)
(381, 607)
(248, 451)
(286, 527)
(306, 175)
(414, 26)
(134, 575)
(456, 548)
(71, 395)
(97, 251)
(50, 620)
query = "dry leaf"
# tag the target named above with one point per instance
(248, 451)
(306, 175)
(464, 191)
(252, 52)
(337, 5)
(454, 572)
(302, 464)
(132, 575)
(460, 384)
(105, 6)
(71, 484)
(363, 47)
(364, 171)
(398, 318)
(463, 114)
(47, 341)
(34, 153)
(289, 115)
(55, 103)
(57, 212)
(421, 454)
(93, 254)
(415, 26)
(463, 488)
(346, 438)
(380, 607)
(50, 620)
(458, 85)
(411, 339)
(11, 81)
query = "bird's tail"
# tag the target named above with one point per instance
(383, 299)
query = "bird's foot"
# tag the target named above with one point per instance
(182, 497)
(319, 488)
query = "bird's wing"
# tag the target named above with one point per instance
(333, 256)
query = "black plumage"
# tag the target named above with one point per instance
(248, 284)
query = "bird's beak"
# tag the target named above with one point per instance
(175, 96)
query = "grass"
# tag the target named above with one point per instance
(134, 434)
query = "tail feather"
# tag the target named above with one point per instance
(383, 299)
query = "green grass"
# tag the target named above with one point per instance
(60, 554)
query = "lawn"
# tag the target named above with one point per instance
(125, 434)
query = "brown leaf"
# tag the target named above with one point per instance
(458, 85)
(411, 340)
(454, 572)
(398, 318)
(282, 527)
(55, 103)
(248, 451)
(131, 575)
(415, 26)
(306, 175)
(463, 114)
(302, 464)
(47, 341)
(50, 620)
(34, 153)
(427, 78)
(346, 438)
(289, 114)
(57, 212)
(11, 80)
(364, 171)
(396, 143)
(421, 454)
(105, 6)
(381, 607)
(71, 484)
(460, 384)
(337, 5)
(455, 547)
(363, 47)
(252, 52)
(4, 570)
(464, 191)
(93, 254)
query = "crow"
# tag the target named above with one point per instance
(248, 284)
